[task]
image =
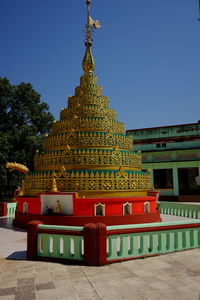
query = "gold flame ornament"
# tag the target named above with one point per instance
(16, 167)
(54, 188)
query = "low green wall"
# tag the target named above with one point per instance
(155, 242)
(11, 208)
(96, 244)
(180, 209)
(123, 241)
(60, 246)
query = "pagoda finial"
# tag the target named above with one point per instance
(88, 27)
(91, 24)
(88, 63)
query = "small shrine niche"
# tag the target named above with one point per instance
(99, 209)
(127, 209)
(25, 207)
(146, 207)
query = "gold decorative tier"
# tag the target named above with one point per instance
(87, 124)
(90, 182)
(88, 111)
(88, 139)
(89, 100)
(87, 159)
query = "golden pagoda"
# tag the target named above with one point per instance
(88, 151)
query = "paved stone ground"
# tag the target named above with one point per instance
(171, 276)
(12, 240)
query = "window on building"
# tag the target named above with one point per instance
(187, 181)
(163, 178)
(127, 208)
(99, 209)
(163, 145)
(146, 207)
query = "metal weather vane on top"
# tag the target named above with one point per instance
(88, 62)
(91, 24)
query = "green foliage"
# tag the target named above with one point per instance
(23, 122)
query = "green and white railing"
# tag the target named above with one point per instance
(11, 208)
(180, 209)
(135, 241)
(7, 209)
(65, 246)
(96, 244)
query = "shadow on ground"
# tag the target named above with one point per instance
(17, 255)
(7, 223)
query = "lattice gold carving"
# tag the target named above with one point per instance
(88, 111)
(53, 160)
(82, 139)
(86, 124)
(84, 181)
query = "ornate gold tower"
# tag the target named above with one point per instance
(88, 151)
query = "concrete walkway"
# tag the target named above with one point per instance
(12, 240)
(171, 276)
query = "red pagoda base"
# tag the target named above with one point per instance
(80, 211)
(21, 219)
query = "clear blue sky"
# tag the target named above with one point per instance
(147, 54)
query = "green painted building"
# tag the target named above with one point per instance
(172, 153)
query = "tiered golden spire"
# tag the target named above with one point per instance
(88, 151)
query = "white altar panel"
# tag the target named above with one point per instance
(50, 201)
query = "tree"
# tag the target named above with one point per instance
(23, 122)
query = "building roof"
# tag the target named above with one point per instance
(159, 127)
